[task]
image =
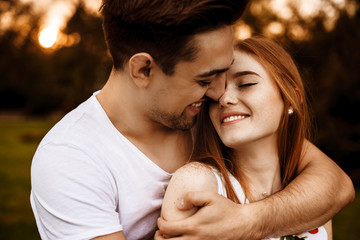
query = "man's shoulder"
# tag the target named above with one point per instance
(78, 124)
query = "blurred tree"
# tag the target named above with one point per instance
(83, 67)
(73, 72)
(334, 79)
(18, 64)
(37, 80)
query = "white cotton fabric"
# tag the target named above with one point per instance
(318, 234)
(88, 180)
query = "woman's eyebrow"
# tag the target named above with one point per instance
(242, 73)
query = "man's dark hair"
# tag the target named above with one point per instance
(163, 28)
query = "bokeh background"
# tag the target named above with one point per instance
(53, 57)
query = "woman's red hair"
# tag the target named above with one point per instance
(293, 129)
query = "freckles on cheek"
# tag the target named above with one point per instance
(267, 106)
(274, 109)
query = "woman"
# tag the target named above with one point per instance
(249, 144)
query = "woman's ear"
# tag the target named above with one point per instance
(140, 65)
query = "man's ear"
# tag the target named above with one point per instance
(140, 65)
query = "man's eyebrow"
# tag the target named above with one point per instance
(242, 73)
(213, 72)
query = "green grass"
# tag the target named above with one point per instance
(18, 142)
(346, 224)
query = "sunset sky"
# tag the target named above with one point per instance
(58, 11)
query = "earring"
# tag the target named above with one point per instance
(290, 111)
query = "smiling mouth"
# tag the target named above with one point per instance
(233, 118)
(197, 104)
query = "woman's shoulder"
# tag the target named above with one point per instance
(191, 177)
(194, 168)
(198, 176)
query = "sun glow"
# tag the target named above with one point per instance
(48, 36)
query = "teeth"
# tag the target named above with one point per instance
(196, 104)
(233, 118)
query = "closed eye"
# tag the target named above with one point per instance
(207, 82)
(247, 84)
(204, 83)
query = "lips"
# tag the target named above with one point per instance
(232, 116)
(195, 107)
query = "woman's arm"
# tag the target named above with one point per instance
(191, 177)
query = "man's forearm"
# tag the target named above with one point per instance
(320, 191)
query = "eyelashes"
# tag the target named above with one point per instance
(246, 85)
(204, 83)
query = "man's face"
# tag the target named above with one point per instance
(177, 99)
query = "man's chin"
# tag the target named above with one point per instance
(185, 125)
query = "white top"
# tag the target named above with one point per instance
(89, 180)
(316, 234)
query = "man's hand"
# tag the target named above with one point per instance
(214, 220)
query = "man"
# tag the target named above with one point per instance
(102, 171)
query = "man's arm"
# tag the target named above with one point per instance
(315, 196)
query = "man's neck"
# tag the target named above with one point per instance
(168, 148)
(169, 151)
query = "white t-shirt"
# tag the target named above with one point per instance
(88, 180)
(316, 234)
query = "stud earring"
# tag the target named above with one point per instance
(290, 111)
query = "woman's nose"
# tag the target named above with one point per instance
(228, 98)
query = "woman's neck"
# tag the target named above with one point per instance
(259, 162)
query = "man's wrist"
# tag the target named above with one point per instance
(258, 218)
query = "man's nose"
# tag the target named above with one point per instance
(217, 87)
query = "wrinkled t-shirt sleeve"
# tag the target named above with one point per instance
(72, 197)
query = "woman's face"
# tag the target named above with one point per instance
(251, 107)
